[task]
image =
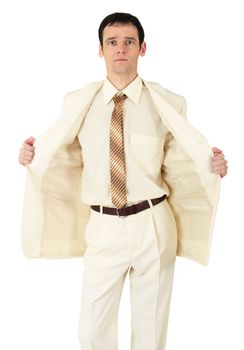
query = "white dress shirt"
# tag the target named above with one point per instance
(144, 138)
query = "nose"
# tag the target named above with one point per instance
(121, 48)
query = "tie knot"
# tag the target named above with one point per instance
(119, 97)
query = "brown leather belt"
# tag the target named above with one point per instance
(132, 209)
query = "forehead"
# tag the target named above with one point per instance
(120, 31)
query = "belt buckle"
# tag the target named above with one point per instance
(118, 211)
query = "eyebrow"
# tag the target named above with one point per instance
(126, 37)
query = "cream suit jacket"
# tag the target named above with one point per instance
(53, 216)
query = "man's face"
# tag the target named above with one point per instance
(121, 49)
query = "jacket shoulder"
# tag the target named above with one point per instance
(73, 97)
(177, 101)
(78, 92)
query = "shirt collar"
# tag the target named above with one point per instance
(133, 90)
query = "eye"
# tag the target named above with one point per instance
(111, 42)
(130, 42)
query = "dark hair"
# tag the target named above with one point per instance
(121, 18)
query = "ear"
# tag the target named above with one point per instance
(100, 51)
(143, 49)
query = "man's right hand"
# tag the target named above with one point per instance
(27, 151)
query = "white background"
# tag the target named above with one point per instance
(194, 48)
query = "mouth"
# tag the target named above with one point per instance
(121, 59)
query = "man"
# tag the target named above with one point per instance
(147, 192)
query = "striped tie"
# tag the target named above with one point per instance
(117, 160)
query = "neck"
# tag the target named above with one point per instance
(121, 81)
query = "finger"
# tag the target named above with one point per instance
(30, 140)
(220, 169)
(216, 149)
(27, 152)
(28, 147)
(218, 156)
(219, 162)
(26, 157)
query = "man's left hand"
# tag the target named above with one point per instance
(219, 163)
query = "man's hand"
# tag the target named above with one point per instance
(27, 151)
(219, 163)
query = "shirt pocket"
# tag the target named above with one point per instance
(147, 152)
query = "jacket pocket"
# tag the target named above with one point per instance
(147, 152)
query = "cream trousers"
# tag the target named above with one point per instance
(145, 245)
